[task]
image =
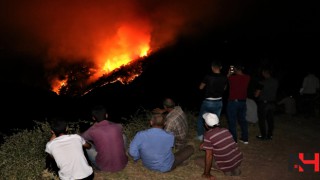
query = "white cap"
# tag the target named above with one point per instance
(210, 119)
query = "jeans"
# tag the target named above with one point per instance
(92, 153)
(212, 106)
(236, 111)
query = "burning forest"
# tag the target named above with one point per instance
(76, 82)
(86, 44)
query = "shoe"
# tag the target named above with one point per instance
(269, 138)
(264, 138)
(260, 137)
(244, 142)
(200, 138)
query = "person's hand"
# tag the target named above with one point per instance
(201, 146)
(53, 136)
(208, 176)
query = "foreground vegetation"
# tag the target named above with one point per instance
(22, 154)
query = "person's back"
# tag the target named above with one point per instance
(176, 122)
(214, 85)
(107, 138)
(310, 84)
(309, 92)
(236, 106)
(220, 149)
(238, 85)
(154, 146)
(267, 96)
(68, 153)
(225, 151)
(269, 89)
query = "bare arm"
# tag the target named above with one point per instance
(53, 136)
(87, 145)
(208, 164)
(202, 85)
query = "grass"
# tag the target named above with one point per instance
(22, 154)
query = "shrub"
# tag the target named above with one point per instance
(22, 154)
(137, 122)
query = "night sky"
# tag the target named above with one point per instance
(40, 37)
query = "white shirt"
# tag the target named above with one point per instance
(310, 84)
(68, 154)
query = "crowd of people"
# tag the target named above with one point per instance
(165, 145)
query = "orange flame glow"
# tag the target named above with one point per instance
(58, 84)
(129, 44)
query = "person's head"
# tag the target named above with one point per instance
(157, 120)
(266, 72)
(99, 113)
(168, 104)
(238, 68)
(58, 125)
(211, 120)
(216, 66)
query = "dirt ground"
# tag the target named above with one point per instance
(263, 160)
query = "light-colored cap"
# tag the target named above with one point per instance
(210, 119)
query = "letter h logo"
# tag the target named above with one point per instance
(303, 164)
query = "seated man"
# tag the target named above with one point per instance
(219, 145)
(176, 122)
(66, 149)
(154, 147)
(108, 153)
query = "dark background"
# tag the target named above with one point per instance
(281, 33)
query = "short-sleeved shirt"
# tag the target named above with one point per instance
(154, 147)
(269, 89)
(225, 151)
(215, 85)
(238, 86)
(108, 140)
(68, 153)
(176, 122)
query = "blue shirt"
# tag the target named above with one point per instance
(154, 147)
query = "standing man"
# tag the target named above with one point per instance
(267, 94)
(214, 85)
(108, 152)
(237, 107)
(309, 92)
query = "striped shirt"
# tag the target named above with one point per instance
(225, 151)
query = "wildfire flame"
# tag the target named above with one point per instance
(58, 84)
(128, 45)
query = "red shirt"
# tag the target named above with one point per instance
(238, 86)
(108, 140)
